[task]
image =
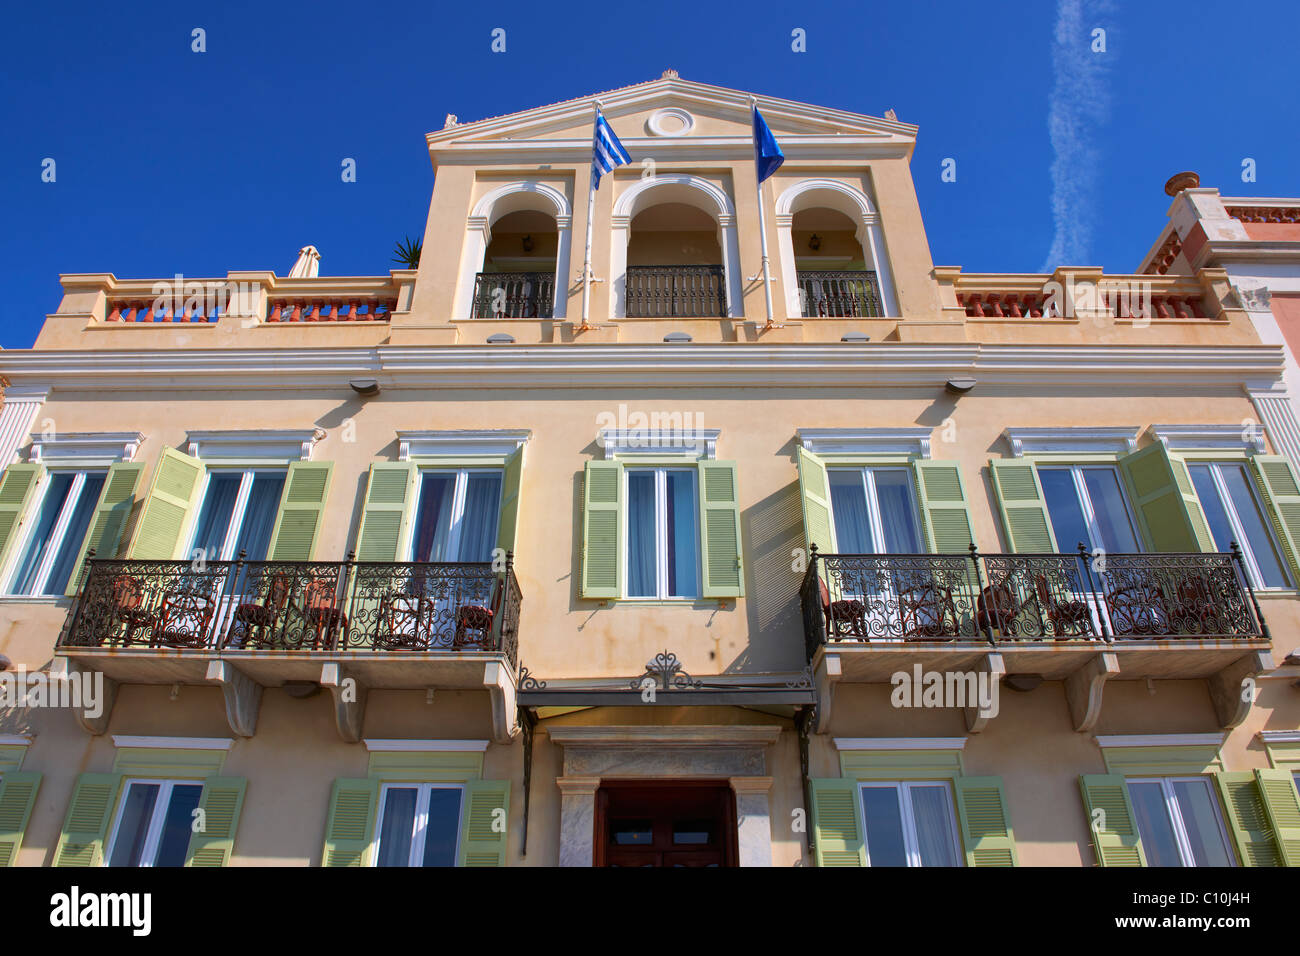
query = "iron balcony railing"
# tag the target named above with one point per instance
(514, 295)
(666, 291)
(839, 294)
(230, 606)
(1027, 597)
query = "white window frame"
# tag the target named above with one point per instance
(421, 822)
(1175, 814)
(458, 497)
(227, 552)
(1238, 530)
(1085, 502)
(57, 534)
(153, 833)
(903, 793)
(661, 532)
(877, 526)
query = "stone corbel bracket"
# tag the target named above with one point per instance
(1084, 687)
(1232, 690)
(65, 669)
(995, 667)
(828, 674)
(500, 685)
(349, 700)
(243, 696)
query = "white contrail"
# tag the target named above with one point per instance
(1078, 106)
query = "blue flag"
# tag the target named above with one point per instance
(607, 152)
(767, 152)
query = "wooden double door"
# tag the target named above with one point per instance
(665, 823)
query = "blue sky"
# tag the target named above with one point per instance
(174, 161)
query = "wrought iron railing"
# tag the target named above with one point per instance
(839, 294)
(514, 295)
(230, 606)
(654, 291)
(1027, 597)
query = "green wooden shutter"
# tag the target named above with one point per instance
(17, 797)
(1247, 819)
(1282, 805)
(815, 490)
(390, 495)
(111, 516)
(175, 490)
(223, 798)
(302, 507)
(17, 489)
(985, 824)
(1115, 837)
(837, 827)
(1022, 506)
(85, 829)
(482, 839)
(722, 573)
(1282, 498)
(602, 552)
(1166, 501)
(512, 476)
(350, 830)
(945, 513)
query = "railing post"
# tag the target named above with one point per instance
(503, 611)
(1093, 591)
(342, 612)
(979, 591)
(822, 624)
(1250, 589)
(74, 615)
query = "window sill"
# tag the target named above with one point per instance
(704, 603)
(51, 600)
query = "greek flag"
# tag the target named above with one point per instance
(607, 153)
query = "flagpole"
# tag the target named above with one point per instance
(762, 237)
(591, 203)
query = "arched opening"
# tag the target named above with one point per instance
(674, 263)
(517, 276)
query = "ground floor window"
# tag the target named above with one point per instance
(910, 824)
(419, 824)
(154, 823)
(1179, 822)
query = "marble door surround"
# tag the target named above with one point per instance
(736, 753)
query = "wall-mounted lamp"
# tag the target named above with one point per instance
(501, 338)
(814, 242)
(959, 386)
(528, 243)
(677, 337)
(856, 338)
(365, 386)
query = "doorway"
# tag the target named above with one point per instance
(665, 823)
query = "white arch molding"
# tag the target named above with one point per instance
(831, 194)
(508, 198)
(683, 188)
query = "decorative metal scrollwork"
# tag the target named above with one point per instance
(666, 670)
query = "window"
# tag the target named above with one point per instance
(456, 515)
(874, 511)
(1227, 495)
(1086, 504)
(419, 825)
(154, 823)
(238, 513)
(1178, 821)
(910, 824)
(662, 533)
(53, 544)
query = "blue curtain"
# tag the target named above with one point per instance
(682, 535)
(214, 516)
(259, 517)
(478, 533)
(641, 534)
(433, 518)
(63, 567)
(897, 511)
(51, 505)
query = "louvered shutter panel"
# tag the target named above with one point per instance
(350, 830)
(485, 821)
(17, 797)
(17, 489)
(945, 514)
(722, 575)
(815, 493)
(175, 490)
(112, 513)
(85, 829)
(1247, 819)
(1282, 804)
(836, 822)
(985, 824)
(511, 481)
(302, 509)
(1277, 478)
(222, 801)
(390, 494)
(1166, 501)
(1114, 831)
(602, 552)
(1022, 506)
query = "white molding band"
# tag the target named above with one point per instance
(866, 441)
(174, 743)
(493, 442)
(1161, 740)
(21, 403)
(692, 444)
(1083, 440)
(397, 745)
(85, 447)
(1268, 736)
(1225, 437)
(271, 444)
(900, 743)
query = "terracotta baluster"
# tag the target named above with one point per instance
(296, 314)
(352, 312)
